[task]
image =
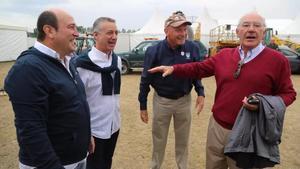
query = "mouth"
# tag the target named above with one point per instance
(181, 38)
(250, 37)
(111, 43)
(73, 41)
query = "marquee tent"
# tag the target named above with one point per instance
(292, 30)
(13, 40)
(206, 21)
(153, 29)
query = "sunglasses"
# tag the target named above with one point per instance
(238, 70)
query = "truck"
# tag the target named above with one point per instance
(224, 36)
(269, 34)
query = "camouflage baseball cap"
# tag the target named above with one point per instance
(176, 19)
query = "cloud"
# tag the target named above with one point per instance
(133, 14)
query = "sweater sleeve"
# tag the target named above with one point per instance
(284, 84)
(198, 86)
(29, 97)
(196, 70)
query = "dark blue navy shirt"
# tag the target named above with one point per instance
(170, 87)
(51, 112)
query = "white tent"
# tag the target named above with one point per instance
(155, 25)
(206, 24)
(293, 28)
(206, 21)
(13, 40)
(154, 29)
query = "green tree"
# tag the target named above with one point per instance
(81, 29)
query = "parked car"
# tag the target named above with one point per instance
(135, 57)
(293, 57)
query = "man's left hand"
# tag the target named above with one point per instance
(199, 104)
(251, 107)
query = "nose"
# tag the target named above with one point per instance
(251, 27)
(76, 33)
(115, 35)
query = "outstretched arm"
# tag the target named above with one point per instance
(165, 70)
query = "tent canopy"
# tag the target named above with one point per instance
(293, 27)
(13, 40)
(206, 21)
(155, 25)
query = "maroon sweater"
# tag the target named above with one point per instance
(268, 73)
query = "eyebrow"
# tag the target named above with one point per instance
(251, 22)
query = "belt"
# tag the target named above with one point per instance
(173, 96)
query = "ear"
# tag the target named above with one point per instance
(95, 34)
(237, 31)
(49, 31)
(265, 30)
(166, 30)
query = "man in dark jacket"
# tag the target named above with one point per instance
(172, 96)
(51, 113)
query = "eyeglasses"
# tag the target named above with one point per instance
(255, 25)
(238, 70)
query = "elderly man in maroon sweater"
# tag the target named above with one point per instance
(249, 68)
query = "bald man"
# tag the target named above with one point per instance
(51, 113)
(239, 72)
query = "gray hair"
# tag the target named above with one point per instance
(252, 13)
(99, 21)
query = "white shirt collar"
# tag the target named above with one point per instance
(98, 57)
(46, 50)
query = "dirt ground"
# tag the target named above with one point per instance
(134, 146)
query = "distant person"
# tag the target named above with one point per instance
(100, 70)
(249, 68)
(172, 96)
(48, 98)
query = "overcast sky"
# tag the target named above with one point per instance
(133, 14)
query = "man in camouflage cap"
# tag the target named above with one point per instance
(172, 96)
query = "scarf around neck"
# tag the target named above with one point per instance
(109, 84)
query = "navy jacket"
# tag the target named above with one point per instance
(170, 87)
(255, 136)
(51, 113)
